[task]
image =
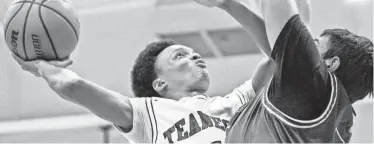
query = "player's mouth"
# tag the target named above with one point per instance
(201, 63)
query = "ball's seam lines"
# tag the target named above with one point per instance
(46, 31)
(61, 15)
(24, 30)
(11, 19)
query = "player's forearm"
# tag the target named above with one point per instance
(103, 102)
(251, 21)
(59, 79)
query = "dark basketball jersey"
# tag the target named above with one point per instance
(300, 77)
(343, 132)
(260, 122)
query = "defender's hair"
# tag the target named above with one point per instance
(356, 61)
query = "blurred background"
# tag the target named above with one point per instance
(113, 32)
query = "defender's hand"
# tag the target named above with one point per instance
(36, 67)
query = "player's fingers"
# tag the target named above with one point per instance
(36, 75)
(66, 63)
(26, 68)
(23, 67)
(17, 59)
(63, 64)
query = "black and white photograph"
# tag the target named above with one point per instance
(186, 71)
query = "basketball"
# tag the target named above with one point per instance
(41, 29)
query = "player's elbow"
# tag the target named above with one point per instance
(304, 7)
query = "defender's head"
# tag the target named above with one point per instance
(349, 56)
(165, 68)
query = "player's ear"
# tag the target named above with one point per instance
(159, 85)
(333, 63)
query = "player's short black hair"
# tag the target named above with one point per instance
(356, 61)
(144, 71)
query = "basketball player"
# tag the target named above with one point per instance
(314, 85)
(248, 16)
(169, 81)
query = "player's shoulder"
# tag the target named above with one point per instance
(292, 30)
(152, 102)
(194, 98)
(150, 99)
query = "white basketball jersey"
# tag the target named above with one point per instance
(197, 119)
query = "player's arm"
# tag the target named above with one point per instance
(249, 14)
(304, 7)
(253, 23)
(244, 93)
(103, 102)
(250, 19)
(276, 14)
(300, 85)
(262, 74)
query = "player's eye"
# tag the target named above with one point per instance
(180, 55)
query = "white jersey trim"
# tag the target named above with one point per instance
(152, 117)
(240, 98)
(320, 119)
(340, 137)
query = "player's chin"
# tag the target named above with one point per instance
(203, 73)
(202, 83)
(204, 77)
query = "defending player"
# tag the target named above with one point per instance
(250, 17)
(314, 85)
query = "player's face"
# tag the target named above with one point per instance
(182, 69)
(322, 44)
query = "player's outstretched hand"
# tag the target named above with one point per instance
(36, 66)
(210, 3)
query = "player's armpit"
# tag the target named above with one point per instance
(262, 74)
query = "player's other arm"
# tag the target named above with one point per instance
(267, 21)
(300, 86)
(251, 21)
(276, 14)
(103, 102)
(249, 14)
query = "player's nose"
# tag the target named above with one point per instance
(195, 56)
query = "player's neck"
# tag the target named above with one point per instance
(177, 95)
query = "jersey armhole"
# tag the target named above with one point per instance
(339, 136)
(297, 123)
